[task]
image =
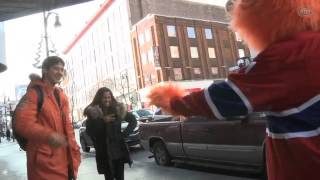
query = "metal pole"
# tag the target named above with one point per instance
(127, 78)
(45, 24)
(5, 113)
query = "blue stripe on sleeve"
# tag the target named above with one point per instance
(305, 120)
(226, 100)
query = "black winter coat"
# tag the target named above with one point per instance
(97, 129)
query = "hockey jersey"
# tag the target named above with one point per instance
(283, 82)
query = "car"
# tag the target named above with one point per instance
(87, 143)
(77, 124)
(143, 115)
(234, 144)
(158, 111)
(160, 116)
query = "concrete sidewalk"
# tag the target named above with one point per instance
(13, 164)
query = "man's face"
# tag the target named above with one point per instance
(55, 73)
(106, 99)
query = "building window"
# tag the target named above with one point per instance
(212, 53)
(144, 59)
(148, 35)
(108, 25)
(171, 31)
(214, 70)
(174, 52)
(208, 33)
(177, 73)
(191, 32)
(238, 38)
(141, 39)
(151, 56)
(197, 71)
(241, 53)
(194, 52)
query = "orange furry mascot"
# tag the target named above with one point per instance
(282, 81)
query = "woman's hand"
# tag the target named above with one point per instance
(109, 118)
(94, 112)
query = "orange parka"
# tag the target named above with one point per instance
(43, 161)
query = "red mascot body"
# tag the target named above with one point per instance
(282, 81)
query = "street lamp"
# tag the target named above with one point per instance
(46, 15)
(57, 23)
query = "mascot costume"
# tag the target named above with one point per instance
(283, 81)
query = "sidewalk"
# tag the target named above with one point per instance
(12, 161)
(13, 164)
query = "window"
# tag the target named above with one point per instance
(194, 52)
(177, 73)
(143, 58)
(238, 38)
(197, 71)
(150, 56)
(148, 35)
(141, 39)
(108, 26)
(174, 51)
(241, 53)
(191, 32)
(208, 33)
(212, 53)
(171, 31)
(214, 70)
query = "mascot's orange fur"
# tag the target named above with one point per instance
(162, 95)
(283, 80)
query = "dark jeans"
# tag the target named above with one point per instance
(118, 169)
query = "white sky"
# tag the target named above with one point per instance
(23, 35)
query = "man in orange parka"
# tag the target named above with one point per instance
(52, 152)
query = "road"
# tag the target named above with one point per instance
(12, 167)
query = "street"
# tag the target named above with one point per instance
(12, 167)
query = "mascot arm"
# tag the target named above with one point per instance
(175, 100)
(193, 104)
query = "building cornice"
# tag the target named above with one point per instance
(102, 9)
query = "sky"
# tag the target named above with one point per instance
(23, 35)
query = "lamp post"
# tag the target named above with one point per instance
(57, 23)
(46, 15)
(124, 77)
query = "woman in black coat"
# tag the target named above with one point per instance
(105, 115)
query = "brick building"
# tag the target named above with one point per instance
(101, 55)
(180, 49)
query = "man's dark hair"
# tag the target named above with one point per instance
(51, 61)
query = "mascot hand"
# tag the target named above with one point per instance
(161, 96)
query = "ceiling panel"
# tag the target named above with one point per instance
(10, 9)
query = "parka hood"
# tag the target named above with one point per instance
(35, 79)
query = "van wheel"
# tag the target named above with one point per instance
(161, 154)
(84, 146)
